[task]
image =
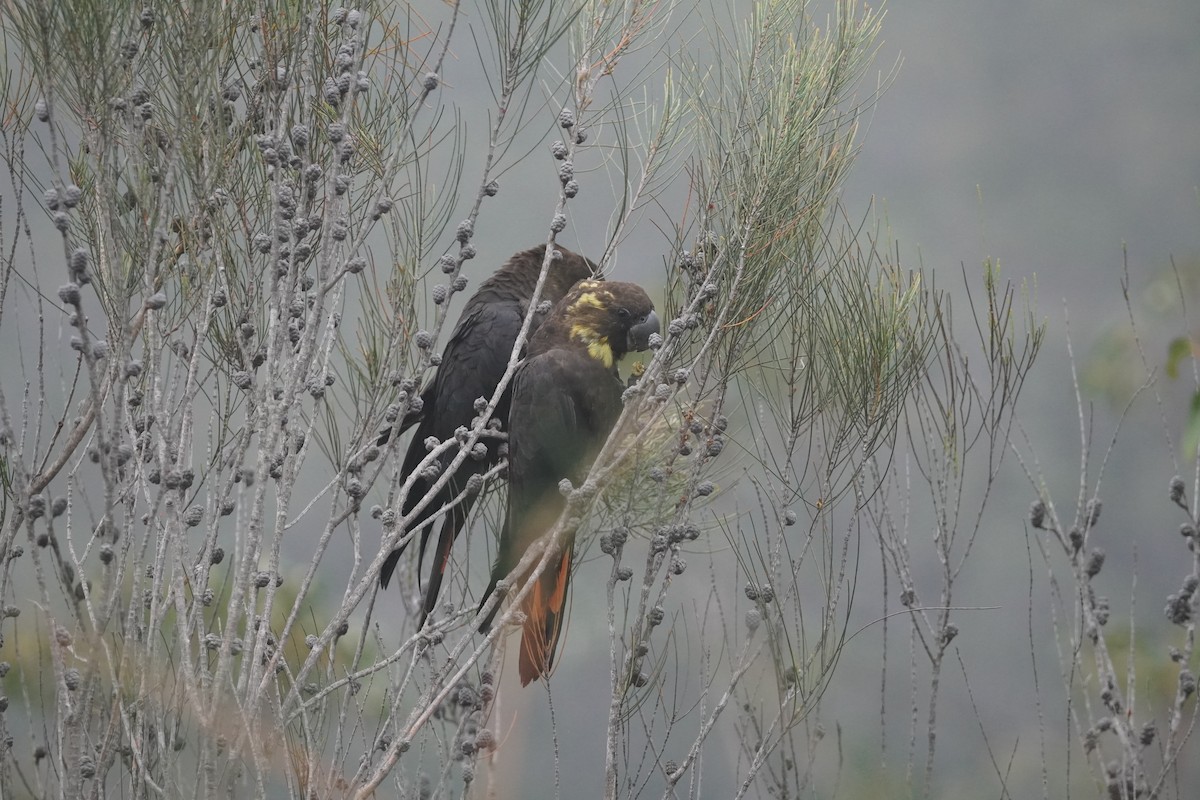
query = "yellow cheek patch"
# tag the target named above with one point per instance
(593, 294)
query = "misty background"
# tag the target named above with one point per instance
(1053, 138)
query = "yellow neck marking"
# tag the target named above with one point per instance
(597, 346)
(600, 351)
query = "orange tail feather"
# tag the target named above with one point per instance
(544, 612)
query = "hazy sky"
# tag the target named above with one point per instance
(1042, 134)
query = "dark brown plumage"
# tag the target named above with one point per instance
(566, 397)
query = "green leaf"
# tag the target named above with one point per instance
(1179, 349)
(1191, 436)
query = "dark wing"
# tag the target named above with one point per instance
(545, 416)
(562, 409)
(472, 364)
